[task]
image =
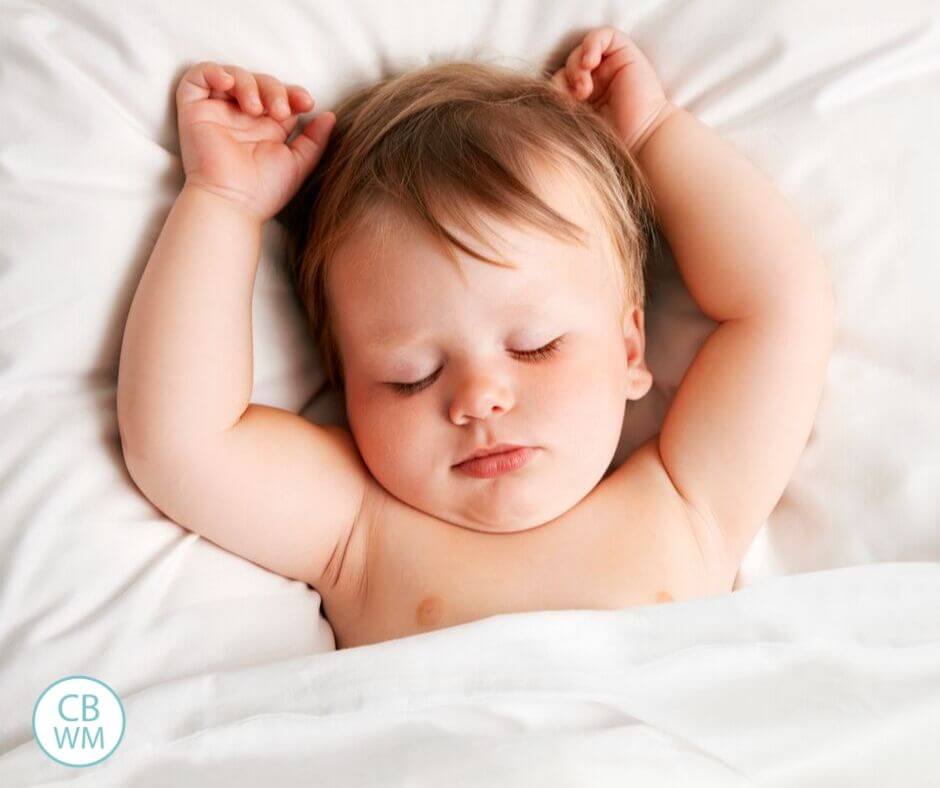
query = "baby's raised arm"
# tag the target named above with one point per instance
(744, 410)
(261, 482)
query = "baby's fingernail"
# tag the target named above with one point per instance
(281, 106)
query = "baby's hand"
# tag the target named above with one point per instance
(609, 72)
(233, 125)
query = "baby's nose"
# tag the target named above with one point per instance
(480, 397)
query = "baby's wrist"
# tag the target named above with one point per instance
(217, 197)
(655, 120)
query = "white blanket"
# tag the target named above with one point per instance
(824, 679)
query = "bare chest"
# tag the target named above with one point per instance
(622, 545)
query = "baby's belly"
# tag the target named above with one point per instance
(425, 575)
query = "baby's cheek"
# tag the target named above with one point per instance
(392, 433)
(586, 395)
(368, 419)
(558, 394)
(576, 379)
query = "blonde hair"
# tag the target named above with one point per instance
(450, 135)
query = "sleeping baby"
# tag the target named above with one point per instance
(468, 243)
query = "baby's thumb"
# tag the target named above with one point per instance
(308, 146)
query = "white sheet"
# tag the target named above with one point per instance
(825, 679)
(837, 102)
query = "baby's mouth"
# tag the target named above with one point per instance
(496, 464)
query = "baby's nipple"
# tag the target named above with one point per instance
(429, 611)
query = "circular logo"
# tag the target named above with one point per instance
(78, 721)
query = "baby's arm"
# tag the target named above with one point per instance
(261, 482)
(744, 410)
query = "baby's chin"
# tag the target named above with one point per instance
(503, 528)
(497, 520)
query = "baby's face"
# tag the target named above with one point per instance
(404, 315)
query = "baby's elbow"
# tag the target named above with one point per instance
(139, 466)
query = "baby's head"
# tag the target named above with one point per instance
(463, 216)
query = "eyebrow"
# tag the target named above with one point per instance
(395, 340)
(385, 340)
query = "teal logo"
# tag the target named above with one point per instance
(78, 721)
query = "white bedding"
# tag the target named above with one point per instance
(823, 679)
(837, 102)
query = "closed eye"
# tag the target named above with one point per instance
(538, 354)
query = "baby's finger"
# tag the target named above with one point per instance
(599, 42)
(560, 81)
(308, 146)
(273, 96)
(573, 70)
(300, 99)
(593, 50)
(611, 65)
(245, 90)
(218, 78)
(200, 81)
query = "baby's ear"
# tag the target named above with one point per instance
(634, 341)
(641, 381)
(634, 322)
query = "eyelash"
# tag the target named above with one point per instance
(538, 354)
